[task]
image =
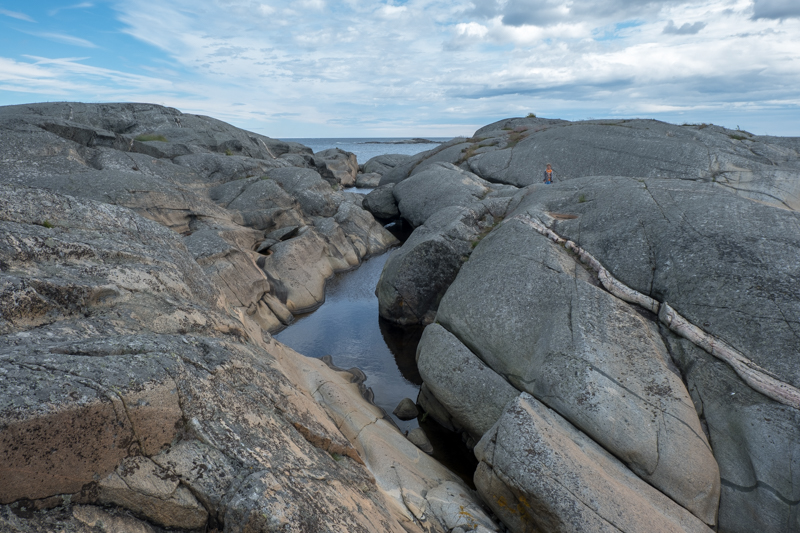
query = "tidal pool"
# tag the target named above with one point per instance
(348, 328)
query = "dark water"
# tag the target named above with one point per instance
(348, 328)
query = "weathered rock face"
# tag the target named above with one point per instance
(381, 164)
(751, 166)
(337, 166)
(526, 314)
(719, 261)
(541, 474)
(474, 394)
(382, 203)
(137, 371)
(368, 180)
(224, 188)
(541, 323)
(416, 276)
(441, 185)
(129, 382)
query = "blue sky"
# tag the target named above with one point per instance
(319, 68)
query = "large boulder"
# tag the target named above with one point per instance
(760, 168)
(539, 473)
(130, 382)
(416, 276)
(441, 185)
(381, 202)
(404, 168)
(532, 313)
(474, 394)
(719, 261)
(381, 164)
(337, 166)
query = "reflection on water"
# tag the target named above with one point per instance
(348, 328)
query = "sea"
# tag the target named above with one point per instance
(369, 147)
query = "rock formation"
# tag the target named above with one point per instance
(145, 255)
(635, 321)
(620, 349)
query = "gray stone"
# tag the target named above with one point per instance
(368, 180)
(404, 168)
(283, 234)
(265, 245)
(415, 278)
(337, 166)
(366, 235)
(471, 392)
(420, 440)
(381, 202)
(381, 164)
(539, 473)
(440, 185)
(314, 195)
(756, 442)
(534, 315)
(433, 407)
(451, 155)
(759, 168)
(406, 409)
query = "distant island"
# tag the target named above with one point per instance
(406, 141)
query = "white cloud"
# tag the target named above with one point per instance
(358, 66)
(64, 39)
(16, 15)
(82, 5)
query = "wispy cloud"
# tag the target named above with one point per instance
(82, 5)
(64, 39)
(353, 67)
(16, 15)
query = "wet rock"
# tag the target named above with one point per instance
(420, 440)
(406, 409)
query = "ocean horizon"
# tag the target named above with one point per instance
(366, 148)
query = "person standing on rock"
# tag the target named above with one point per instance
(548, 174)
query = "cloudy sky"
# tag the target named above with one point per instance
(353, 68)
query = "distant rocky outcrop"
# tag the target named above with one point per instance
(145, 255)
(600, 346)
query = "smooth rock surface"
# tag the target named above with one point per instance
(442, 185)
(381, 164)
(539, 473)
(416, 276)
(472, 392)
(337, 166)
(406, 409)
(534, 315)
(382, 203)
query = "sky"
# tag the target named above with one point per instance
(354, 68)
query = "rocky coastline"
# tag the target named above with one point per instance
(619, 349)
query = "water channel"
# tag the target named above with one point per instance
(348, 328)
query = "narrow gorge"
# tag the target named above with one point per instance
(618, 351)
